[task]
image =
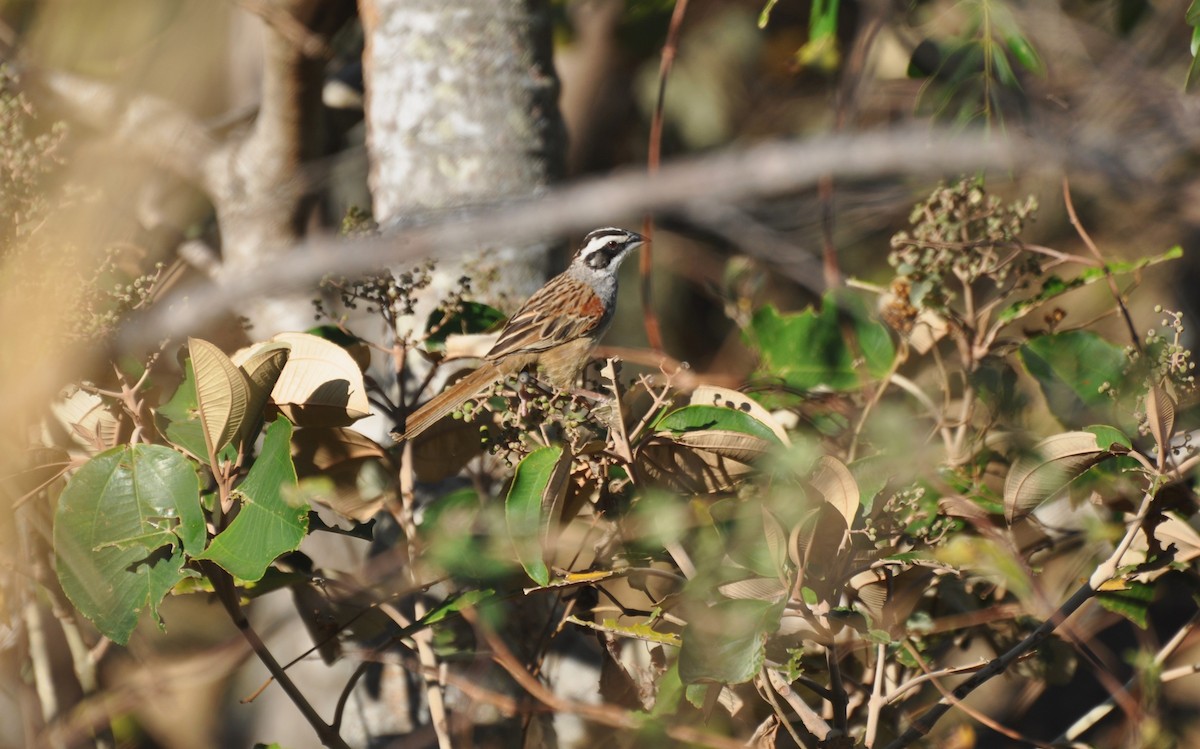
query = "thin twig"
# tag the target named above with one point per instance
(922, 725)
(607, 715)
(972, 712)
(1108, 274)
(226, 592)
(653, 159)
(424, 639)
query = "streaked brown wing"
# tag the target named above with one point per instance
(563, 310)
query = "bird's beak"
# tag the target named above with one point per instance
(637, 240)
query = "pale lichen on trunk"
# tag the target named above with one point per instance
(462, 109)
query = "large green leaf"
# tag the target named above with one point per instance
(268, 523)
(538, 479)
(121, 528)
(725, 643)
(1071, 367)
(819, 348)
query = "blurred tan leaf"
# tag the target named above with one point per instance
(663, 460)
(744, 448)
(837, 485)
(87, 418)
(321, 385)
(1047, 469)
(349, 460)
(756, 588)
(1160, 417)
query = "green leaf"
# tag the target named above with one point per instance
(764, 17)
(1133, 602)
(725, 643)
(1071, 367)
(1193, 76)
(1110, 438)
(1024, 53)
(470, 317)
(810, 349)
(1003, 70)
(179, 418)
(455, 604)
(708, 418)
(267, 524)
(1054, 286)
(533, 480)
(121, 528)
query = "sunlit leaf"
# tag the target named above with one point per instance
(534, 478)
(1160, 417)
(321, 384)
(812, 349)
(262, 368)
(714, 418)
(267, 524)
(222, 394)
(121, 528)
(712, 395)
(1131, 601)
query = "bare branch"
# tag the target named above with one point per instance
(768, 169)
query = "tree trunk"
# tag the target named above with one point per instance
(462, 107)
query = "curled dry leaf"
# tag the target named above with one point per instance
(1160, 417)
(340, 455)
(262, 366)
(1048, 468)
(321, 385)
(836, 484)
(87, 418)
(755, 588)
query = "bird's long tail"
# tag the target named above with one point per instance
(442, 404)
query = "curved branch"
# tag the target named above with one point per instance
(768, 169)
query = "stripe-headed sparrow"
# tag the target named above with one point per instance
(553, 332)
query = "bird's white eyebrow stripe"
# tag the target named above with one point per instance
(599, 238)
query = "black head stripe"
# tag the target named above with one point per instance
(603, 257)
(601, 247)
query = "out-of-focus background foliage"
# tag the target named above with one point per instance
(84, 209)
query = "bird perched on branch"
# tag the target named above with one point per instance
(553, 332)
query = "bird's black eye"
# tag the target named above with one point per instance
(612, 245)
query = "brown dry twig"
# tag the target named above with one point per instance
(653, 158)
(608, 715)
